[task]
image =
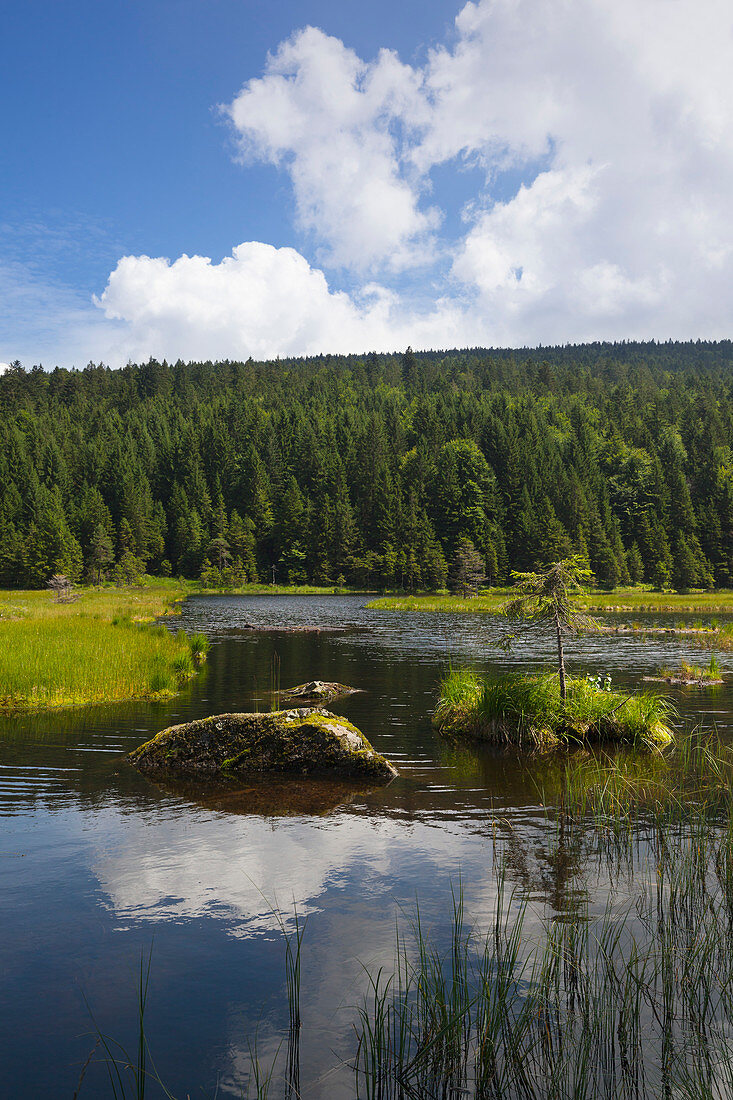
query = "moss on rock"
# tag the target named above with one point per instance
(303, 741)
(316, 691)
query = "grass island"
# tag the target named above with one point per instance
(529, 711)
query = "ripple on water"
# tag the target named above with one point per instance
(110, 859)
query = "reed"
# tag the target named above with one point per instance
(128, 1076)
(529, 710)
(691, 781)
(275, 681)
(103, 647)
(620, 1005)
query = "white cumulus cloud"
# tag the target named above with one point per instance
(600, 136)
(329, 118)
(261, 301)
(618, 116)
(628, 110)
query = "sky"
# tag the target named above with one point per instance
(208, 179)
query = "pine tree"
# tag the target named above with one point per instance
(544, 600)
(101, 553)
(634, 564)
(467, 572)
(684, 573)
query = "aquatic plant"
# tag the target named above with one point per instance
(200, 646)
(686, 673)
(619, 1005)
(530, 710)
(632, 1002)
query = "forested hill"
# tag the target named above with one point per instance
(372, 468)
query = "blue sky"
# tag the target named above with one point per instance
(501, 172)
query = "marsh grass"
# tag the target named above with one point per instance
(200, 646)
(529, 710)
(634, 1001)
(276, 590)
(691, 781)
(619, 1005)
(491, 602)
(686, 673)
(101, 648)
(486, 603)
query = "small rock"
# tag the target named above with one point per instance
(321, 690)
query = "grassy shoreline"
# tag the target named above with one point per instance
(492, 601)
(193, 588)
(102, 647)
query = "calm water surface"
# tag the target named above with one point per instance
(97, 863)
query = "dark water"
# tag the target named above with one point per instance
(97, 863)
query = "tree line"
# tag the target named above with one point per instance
(375, 470)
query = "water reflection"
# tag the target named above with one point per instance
(269, 797)
(95, 858)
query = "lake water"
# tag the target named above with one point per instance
(98, 863)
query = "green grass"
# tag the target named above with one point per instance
(200, 645)
(274, 590)
(692, 780)
(487, 603)
(686, 673)
(491, 602)
(529, 711)
(103, 647)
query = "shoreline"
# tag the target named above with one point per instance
(639, 600)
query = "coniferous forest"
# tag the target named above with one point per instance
(372, 470)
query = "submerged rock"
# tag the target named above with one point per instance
(303, 741)
(321, 691)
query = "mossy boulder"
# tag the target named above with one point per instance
(304, 741)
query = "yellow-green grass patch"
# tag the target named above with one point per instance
(492, 601)
(102, 647)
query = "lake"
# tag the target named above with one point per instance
(99, 866)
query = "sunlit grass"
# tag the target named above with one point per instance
(487, 603)
(529, 710)
(491, 602)
(685, 673)
(274, 590)
(102, 647)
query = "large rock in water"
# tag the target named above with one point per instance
(305, 741)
